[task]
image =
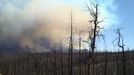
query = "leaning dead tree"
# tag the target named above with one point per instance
(120, 43)
(93, 33)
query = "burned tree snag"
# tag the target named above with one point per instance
(121, 45)
(94, 12)
(70, 55)
(80, 53)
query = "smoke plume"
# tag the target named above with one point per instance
(38, 23)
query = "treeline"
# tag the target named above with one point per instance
(50, 64)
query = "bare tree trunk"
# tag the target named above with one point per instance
(129, 55)
(117, 63)
(124, 61)
(89, 68)
(71, 48)
(55, 64)
(61, 58)
(106, 61)
(80, 53)
(69, 59)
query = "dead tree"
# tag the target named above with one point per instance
(70, 55)
(61, 57)
(94, 12)
(121, 45)
(54, 62)
(129, 62)
(106, 63)
(117, 62)
(106, 56)
(80, 53)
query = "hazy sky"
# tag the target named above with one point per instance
(35, 18)
(126, 18)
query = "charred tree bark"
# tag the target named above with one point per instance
(71, 48)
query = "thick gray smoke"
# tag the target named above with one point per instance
(30, 24)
